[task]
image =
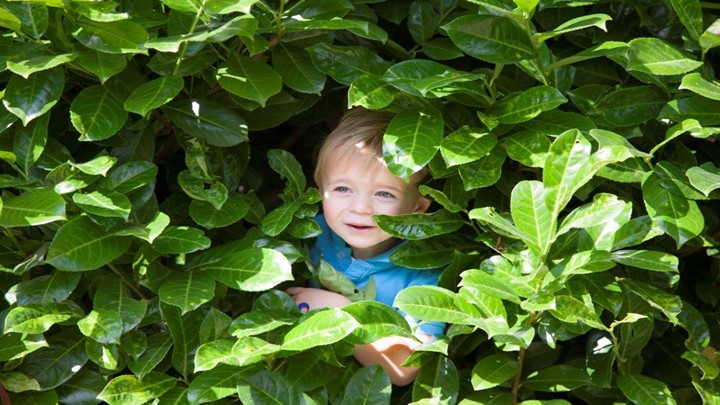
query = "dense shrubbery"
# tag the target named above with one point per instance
(154, 201)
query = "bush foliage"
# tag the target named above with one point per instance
(155, 200)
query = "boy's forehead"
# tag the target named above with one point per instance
(357, 168)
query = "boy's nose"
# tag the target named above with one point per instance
(361, 204)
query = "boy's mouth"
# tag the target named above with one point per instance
(360, 227)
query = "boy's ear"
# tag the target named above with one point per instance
(422, 204)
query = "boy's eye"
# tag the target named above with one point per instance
(385, 194)
(342, 189)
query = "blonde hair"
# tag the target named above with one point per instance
(358, 136)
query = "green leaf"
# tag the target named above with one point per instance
(370, 92)
(249, 79)
(54, 287)
(346, 63)
(525, 105)
(492, 371)
(490, 38)
(53, 365)
(297, 70)
(677, 216)
(285, 164)
(215, 123)
(250, 269)
(647, 259)
(31, 208)
(268, 388)
(97, 114)
(419, 225)
(181, 239)
(431, 253)
(440, 198)
(571, 310)
(603, 208)
(257, 322)
(131, 390)
(187, 290)
(158, 346)
(579, 23)
(376, 320)
(30, 98)
(320, 328)
(567, 168)
(641, 389)
(153, 94)
(130, 176)
(557, 378)
(532, 216)
(696, 83)
(104, 203)
(487, 285)
(422, 21)
(425, 78)
(668, 304)
(34, 64)
(112, 36)
(690, 14)
(632, 105)
(706, 112)
(711, 37)
(103, 326)
(112, 296)
(410, 142)
(657, 57)
(96, 167)
(438, 380)
(82, 245)
(215, 384)
(183, 329)
(335, 281)
(9, 20)
(499, 223)
(195, 187)
(279, 219)
(362, 29)
(206, 215)
(435, 304)
(466, 145)
(18, 382)
(705, 177)
(37, 318)
(102, 65)
(369, 385)
(485, 171)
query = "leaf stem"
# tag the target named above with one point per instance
(184, 45)
(124, 279)
(516, 381)
(713, 6)
(12, 237)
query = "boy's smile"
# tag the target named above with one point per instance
(353, 193)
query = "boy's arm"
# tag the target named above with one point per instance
(389, 352)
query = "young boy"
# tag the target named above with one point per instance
(356, 184)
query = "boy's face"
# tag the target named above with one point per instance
(353, 193)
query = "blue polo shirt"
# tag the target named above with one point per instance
(389, 278)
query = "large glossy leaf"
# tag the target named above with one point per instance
(32, 208)
(30, 98)
(104, 203)
(15, 345)
(410, 142)
(466, 145)
(524, 106)
(211, 385)
(603, 208)
(206, 215)
(279, 219)
(632, 105)
(668, 304)
(112, 36)
(248, 269)
(435, 304)
(29, 142)
(82, 245)
(425, 78)
(490, 38)
(320, 328)
(586, 21)
(103, 326)
(705, 111)
(419, 225)
(346, 63)
(181, 239)
(532, 216)
(112, 296)
(705, 177)
(371, 92)
(153, 94)
(487, 285)
(567, 168)
(557, 378)
(97, 114)
(187, 290)
(158, 346)
(102, 65)
(369, 385)
(641, 389)
(54, 287)
(647, 259)
(38, 63)
(297, 70)
(493, 370)
(253, 80)
(208, 120)
(438, 380)
(183, 329)
(37, 318)
(433, 252)
(657, 57)
(360, 28)
(485, 171)
(696, 83)
(53, 365)
(677, 216)
(285, 164)
(130, 390)
(267, 387)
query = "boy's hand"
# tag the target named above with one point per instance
(317, 298)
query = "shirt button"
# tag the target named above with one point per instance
(340, 255)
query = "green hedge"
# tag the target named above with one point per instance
(155, 200)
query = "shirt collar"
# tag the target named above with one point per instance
(383, 258)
